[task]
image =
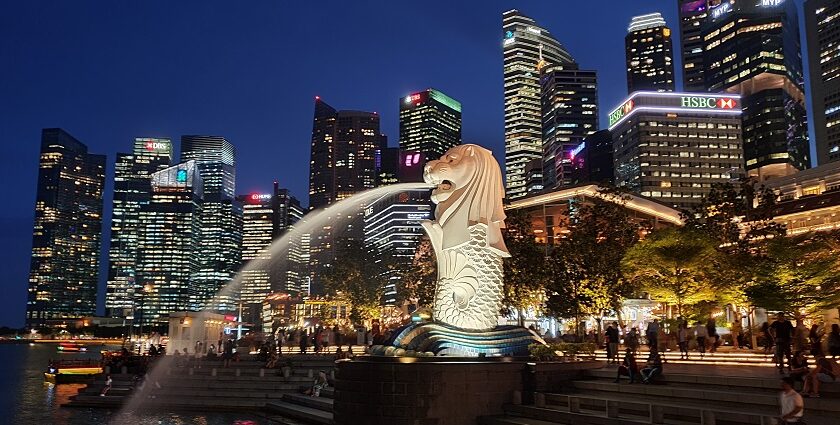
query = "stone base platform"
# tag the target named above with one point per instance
(376, 390)
(438, 339)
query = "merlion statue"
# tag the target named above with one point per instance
(466, 236)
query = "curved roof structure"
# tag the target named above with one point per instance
(633, 202)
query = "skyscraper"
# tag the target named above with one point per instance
(752, 49)
(132, 190)
(569, 114)
(527, 48)
(822, 23)
(392, 228)
(221, 217)
(649, 52)
(674, 146)
(169, 252)
(67, 233)
(258, 217)
(430, 123)
(342, 163)
(343, 151)
(692, 15)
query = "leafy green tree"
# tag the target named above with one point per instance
(524, 270)
(799, 274)
(418, 282)
(674, 266)
(358, 275)
(584, 268)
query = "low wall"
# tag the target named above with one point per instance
(405, 391)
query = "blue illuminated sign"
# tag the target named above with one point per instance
(181, 177)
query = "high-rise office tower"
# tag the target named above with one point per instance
(692, 15)
(392, 227)
(343, 152)
(292, 273)
(752, 49)
(674, 146)
(132, 190)
(430, 123)
(527, 48)
(258, 217)
(592, 160)
(650, 55)
(67, 233)
(221, 218)
(822, 24)
(342, 163)
(169, 251)
(569, 114)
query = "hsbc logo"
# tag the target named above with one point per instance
(726, 103)
(707, 102)
(619, 113)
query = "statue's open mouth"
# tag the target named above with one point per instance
(445, 186)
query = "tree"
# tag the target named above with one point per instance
(524, 276)
(584, 270)
(419, 281)
(358, 275)
(674, 266)
(800, 274)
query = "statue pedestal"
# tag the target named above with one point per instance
(438, 339)
(375, 390)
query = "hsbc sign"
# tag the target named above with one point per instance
(701, 102)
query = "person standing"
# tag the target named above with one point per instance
(612, 343)
(782, 331)
(631, 340)
(702, 333)
(800, 335)
(228, 353)
(682, 340)
(735, 332)
(652, 335)
(767, 338)
(815, 339)
(304, 341)
(791, 403)
(712, 335)
(834, 341)
(337, 335)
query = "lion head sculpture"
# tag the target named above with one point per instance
(469, 191)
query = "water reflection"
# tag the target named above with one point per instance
(25, 398)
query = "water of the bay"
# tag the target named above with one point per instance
(25, 398)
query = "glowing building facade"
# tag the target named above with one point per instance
(169, 252)
(430, 123)
(673, 147)
(527, 49)
(221, 219)
(752, 49)
(132, 190)
(649, 54)
(822, 23)
(569, 114)
(67, 233)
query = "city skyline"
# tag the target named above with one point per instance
(260, 145)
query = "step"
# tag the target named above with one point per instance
(557, 415)
(760, 382)
(511, 420)
(304, 413)
(676, 391)
(321, 403)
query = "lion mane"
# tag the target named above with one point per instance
(477, 202)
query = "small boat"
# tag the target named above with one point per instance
(71, 347)
(67, 371)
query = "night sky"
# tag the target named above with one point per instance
(110, 71)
